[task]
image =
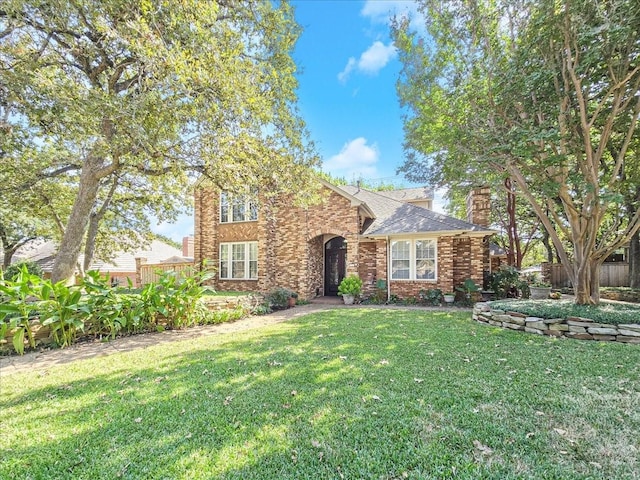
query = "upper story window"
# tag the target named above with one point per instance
(237, 208)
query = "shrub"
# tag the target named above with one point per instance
(506, 283)
(13, 270)
(278, 298)
(351, 285)
(430, 296)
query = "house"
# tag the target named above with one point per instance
(119, 269)
(388, 238)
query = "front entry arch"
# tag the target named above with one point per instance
(335, 264)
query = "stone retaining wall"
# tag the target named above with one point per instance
(232, 301)
(570, 327)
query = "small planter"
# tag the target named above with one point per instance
(292, 302)
(539, 293)
(348, 299)
(449, 298)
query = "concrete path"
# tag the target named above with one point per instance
(40, 361)
(48, 358)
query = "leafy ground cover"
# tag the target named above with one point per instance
(362, 393)
(606, 312)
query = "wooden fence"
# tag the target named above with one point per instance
(611, 275)
(150, 272)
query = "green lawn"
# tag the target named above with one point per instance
(362, 393)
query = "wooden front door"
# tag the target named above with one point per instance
(335, 265)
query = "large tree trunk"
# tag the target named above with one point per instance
(634, 261)
(67, 257)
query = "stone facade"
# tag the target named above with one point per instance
(291, 242)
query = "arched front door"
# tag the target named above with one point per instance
(335, 265)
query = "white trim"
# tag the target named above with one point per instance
(247, 260)
(248, 202)
(412, 259)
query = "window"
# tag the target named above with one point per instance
(413, 260)
(237, 209)
(239, 261)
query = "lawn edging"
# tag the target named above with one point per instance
(569, 327)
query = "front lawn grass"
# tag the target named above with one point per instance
(348, 393)
(607, 312)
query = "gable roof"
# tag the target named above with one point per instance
(155, 252)
(408, 194)
(394, 217)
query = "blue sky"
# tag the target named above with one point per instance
(348, 68)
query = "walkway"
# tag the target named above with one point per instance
(49, 358)
(42, 360)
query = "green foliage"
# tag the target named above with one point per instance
(542, 94)
(14, 269)
(278, 298)
(506, 283)
(430, 296)
(350, 285)
(105, 94)
(610, 313)
(17, 307)
(63, 309)
(293, 400)
(98, 309)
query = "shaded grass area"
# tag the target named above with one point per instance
(606, 312)
(358, 393)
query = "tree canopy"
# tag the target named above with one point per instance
(126, 102)
(542, 92)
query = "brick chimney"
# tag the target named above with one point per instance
(187, 246)
(479, 206)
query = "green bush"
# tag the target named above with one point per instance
(278, 298)
(506, 283)
(351, 285)
(430, 296)
(13, 270)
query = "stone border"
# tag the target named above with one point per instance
(570, 327)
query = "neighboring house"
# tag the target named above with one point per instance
(119, 269)
(385, 237)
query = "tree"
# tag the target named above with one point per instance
(156, 92)
(542, 91)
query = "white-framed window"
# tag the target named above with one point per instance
(239, 208)
(239, 261)
(414, 259)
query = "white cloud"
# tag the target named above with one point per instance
(344, 74)
(371, 61)
(356, 159)
(382, 11)
(376, 57)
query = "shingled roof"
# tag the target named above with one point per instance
(394, 217)
(408, 194)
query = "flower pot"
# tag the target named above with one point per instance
(348, 299)
(292, 302)
(449, 298)
(539, 293)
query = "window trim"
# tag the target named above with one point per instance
(248, 203)
(247, 260)
(413, 259)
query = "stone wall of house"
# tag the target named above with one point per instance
(569, 327)
(315, 267)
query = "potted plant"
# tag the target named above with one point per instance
(539, 290)
(350, 287)
(449, 297)
(293, 299)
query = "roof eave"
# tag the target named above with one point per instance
(355, 201)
